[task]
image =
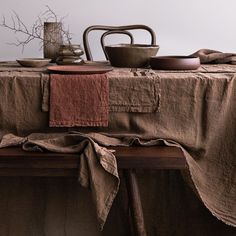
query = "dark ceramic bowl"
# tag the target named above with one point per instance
(174, 63)
(130, 55)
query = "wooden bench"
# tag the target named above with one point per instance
(16, 162)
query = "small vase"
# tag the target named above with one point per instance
(52, 39)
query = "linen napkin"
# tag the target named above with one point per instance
(78, 100)
(208, 56)
(97, 169)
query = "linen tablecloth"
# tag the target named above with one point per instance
(195, 111)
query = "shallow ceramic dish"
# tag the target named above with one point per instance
(174, 63)
(33, 62)
(69, 60)
(80, 69)
(130, 55)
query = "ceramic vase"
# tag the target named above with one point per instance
(52, 39)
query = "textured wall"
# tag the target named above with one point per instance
(181, 26)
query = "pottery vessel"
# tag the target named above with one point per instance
(52, 39)
(131, 55)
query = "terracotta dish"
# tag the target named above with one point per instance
(79, 69)
(174, 63)
(130, 55)
(33, 62)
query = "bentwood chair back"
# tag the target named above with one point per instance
(108, 30)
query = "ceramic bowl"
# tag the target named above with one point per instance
(174, 63)
(130, 55)
(33, 62)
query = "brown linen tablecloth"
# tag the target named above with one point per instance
(195, 113)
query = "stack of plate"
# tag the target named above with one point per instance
(70, 54)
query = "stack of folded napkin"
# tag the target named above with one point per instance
(208, 56)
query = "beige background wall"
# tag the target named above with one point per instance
(182, 26)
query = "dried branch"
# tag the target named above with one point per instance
(35, 32)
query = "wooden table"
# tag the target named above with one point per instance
(16, 162)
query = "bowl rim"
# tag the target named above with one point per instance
(174, 58)
(127, 45)
(34, 59)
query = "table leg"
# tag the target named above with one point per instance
(135, 203)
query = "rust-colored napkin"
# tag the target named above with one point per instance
(78, 100)
(208, 56)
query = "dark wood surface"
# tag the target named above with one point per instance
(33, 206)
(16, 162)
(135, 203)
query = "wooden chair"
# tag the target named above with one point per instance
(125, 29)
(16, 162)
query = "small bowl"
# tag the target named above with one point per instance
(130, 55)
(174, 63)
(33, 62)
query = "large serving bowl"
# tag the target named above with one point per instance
(130, 55)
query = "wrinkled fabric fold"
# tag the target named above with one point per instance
(129, 93)
(97, 168)
(214, 57)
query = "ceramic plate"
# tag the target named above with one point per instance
(80, 69)
(33, 62)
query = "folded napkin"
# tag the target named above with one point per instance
(129, 91)
(208, 56)
(78, 100)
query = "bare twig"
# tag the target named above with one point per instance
(35, 32)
